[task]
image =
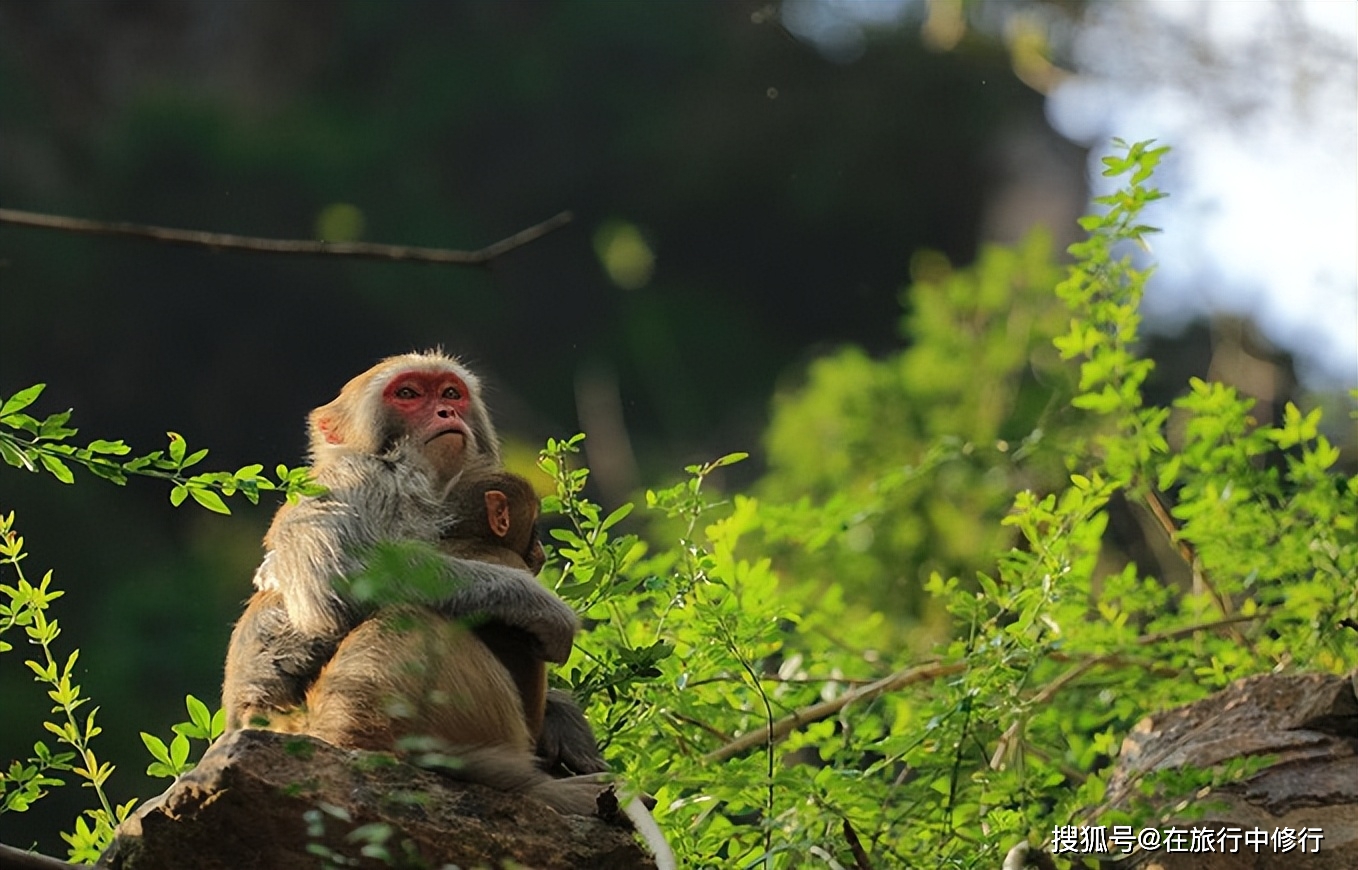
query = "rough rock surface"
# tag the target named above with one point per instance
(1307, 724)
(247, 805)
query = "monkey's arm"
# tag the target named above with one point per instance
(484, 592)
(371, 499)
(313, 543)
(317, 542)
(567, 745)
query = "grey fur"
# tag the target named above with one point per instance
(567, 745)
(282, 642)
(322, 539)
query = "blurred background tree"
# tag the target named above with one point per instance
(763, 194)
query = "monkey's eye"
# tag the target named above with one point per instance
(406, 393)
(452, 393)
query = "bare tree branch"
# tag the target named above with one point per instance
(860, 855)
(229, 242)
(17, 859)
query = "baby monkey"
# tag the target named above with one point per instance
(410, 673)
(497, 514)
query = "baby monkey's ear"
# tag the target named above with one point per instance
(497, 512)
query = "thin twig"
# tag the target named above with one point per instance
(1187, 552)
(1150, 666)
(924, 673)
(823, 710)
(1171, 529)
(1002, 746)
(1011, 733)
(230, 242)
(791, 681)
(1185, 549)
(680, 717)
(1183, 631)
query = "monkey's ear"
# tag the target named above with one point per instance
(329, 431)
(327, 425)
(497, 512)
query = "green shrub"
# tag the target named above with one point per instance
(780, 722)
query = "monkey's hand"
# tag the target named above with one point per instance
(567, 745)
(493, 593)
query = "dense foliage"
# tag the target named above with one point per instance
(744, 659)
(1053, 652)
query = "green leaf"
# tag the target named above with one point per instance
(218, 724)
(54, 427)
(16, 457)
(198, 713)
(159, 751)
(566, 536)
(58, 468)
(21, 399)
(1169, 473)
(109, 472)
(134, 465)
(210, 500)
(179, 751)
(248, 472)
(22, 422)
(178, 446)
(616, 517)
(729, 459)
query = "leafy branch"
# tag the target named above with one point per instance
(594, 559)
(32, 444)
(173, 759)
(25, 782)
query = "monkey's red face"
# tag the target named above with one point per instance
(432, 408)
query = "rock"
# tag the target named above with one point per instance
(272, 801)
(1307, 724)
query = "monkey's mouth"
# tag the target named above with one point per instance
(455, 429)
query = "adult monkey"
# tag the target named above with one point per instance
(388, 450)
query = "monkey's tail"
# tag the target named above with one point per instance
(645, 824)
(508, 769)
